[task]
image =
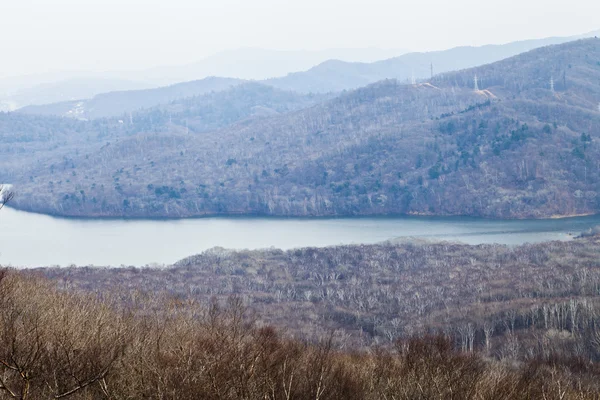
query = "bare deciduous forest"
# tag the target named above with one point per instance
(405, 321)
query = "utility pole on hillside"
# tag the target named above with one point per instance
(413, 80)
(552, 84)
(431, 70)
(476, 83)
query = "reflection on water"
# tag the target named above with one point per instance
(33, 240)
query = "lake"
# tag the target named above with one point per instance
(31, 240)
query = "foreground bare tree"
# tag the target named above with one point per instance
(55, 344)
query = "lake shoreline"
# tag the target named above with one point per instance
(294, 217)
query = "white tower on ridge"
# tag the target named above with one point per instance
(552, 84)
(476, 85)
(413, 80)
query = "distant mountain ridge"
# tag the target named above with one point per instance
(260, 64)
(243, 64)
(121, 102)
(67, 90)
(335, 75)
(327, 77)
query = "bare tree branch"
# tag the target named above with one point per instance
(6, 195)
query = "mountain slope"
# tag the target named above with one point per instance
(338, 75)
(113, 104)
(69, 90)
(513, 148)
(34, 144)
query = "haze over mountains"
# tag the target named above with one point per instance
(246, 63)
(75, 88)
(119, 103)
(260, 64)
(336, 75)
(516, 147)
(306, 71)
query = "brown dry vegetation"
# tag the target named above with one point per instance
(64, 344)
(416, 321)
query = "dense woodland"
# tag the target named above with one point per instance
(403, 321)
(376, 293)
(513, 149)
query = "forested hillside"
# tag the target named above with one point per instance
(518, 146)
(376, 293)
(56, 142)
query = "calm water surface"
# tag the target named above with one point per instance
(34, 240)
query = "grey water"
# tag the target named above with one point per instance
(31, 240)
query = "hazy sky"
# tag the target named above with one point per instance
(42, 35)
